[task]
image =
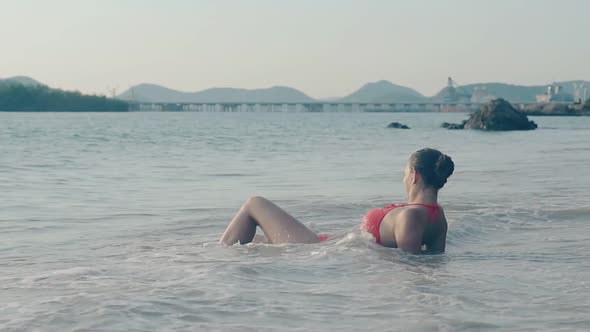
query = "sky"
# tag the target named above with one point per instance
(325, 48)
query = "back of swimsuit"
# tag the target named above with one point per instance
(373, 218)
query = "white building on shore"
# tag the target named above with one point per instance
(555, 94)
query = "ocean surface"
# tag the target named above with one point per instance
(110, 222)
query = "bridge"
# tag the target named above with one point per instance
(318, 106)
(456, 100)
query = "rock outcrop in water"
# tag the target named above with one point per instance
(495, 115)
(398, 125)
(454, 125)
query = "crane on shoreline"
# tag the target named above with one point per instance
(454, 92)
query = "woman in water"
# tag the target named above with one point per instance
(416, 227)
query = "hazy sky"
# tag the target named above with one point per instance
(323, 47)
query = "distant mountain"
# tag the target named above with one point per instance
(376, 92)
(383, 91)
(153, 93)
(510, 92)
(22, 80)
(156, 93)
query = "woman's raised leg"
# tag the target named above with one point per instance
(278, 226)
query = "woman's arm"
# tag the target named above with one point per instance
(439, 244)
(409, 230)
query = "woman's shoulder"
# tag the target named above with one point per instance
(432, 217)
(413, 213)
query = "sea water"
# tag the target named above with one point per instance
(110, 222)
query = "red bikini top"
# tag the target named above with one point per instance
(373, 218)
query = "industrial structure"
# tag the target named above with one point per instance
(555, 94)
(580, 93)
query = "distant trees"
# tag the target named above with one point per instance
(587, 105)
(40, 98)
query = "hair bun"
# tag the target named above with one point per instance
(443, 168)
(434, 166)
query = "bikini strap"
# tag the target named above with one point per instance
(432, 210)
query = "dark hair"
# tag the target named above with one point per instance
(434, 166)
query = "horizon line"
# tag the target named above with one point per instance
(298, 89)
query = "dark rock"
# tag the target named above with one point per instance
(453, 125)
(397, 125)
(499, 115)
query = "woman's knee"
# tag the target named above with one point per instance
(254, 201)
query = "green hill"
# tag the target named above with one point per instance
(16, 97)
(22, 80)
